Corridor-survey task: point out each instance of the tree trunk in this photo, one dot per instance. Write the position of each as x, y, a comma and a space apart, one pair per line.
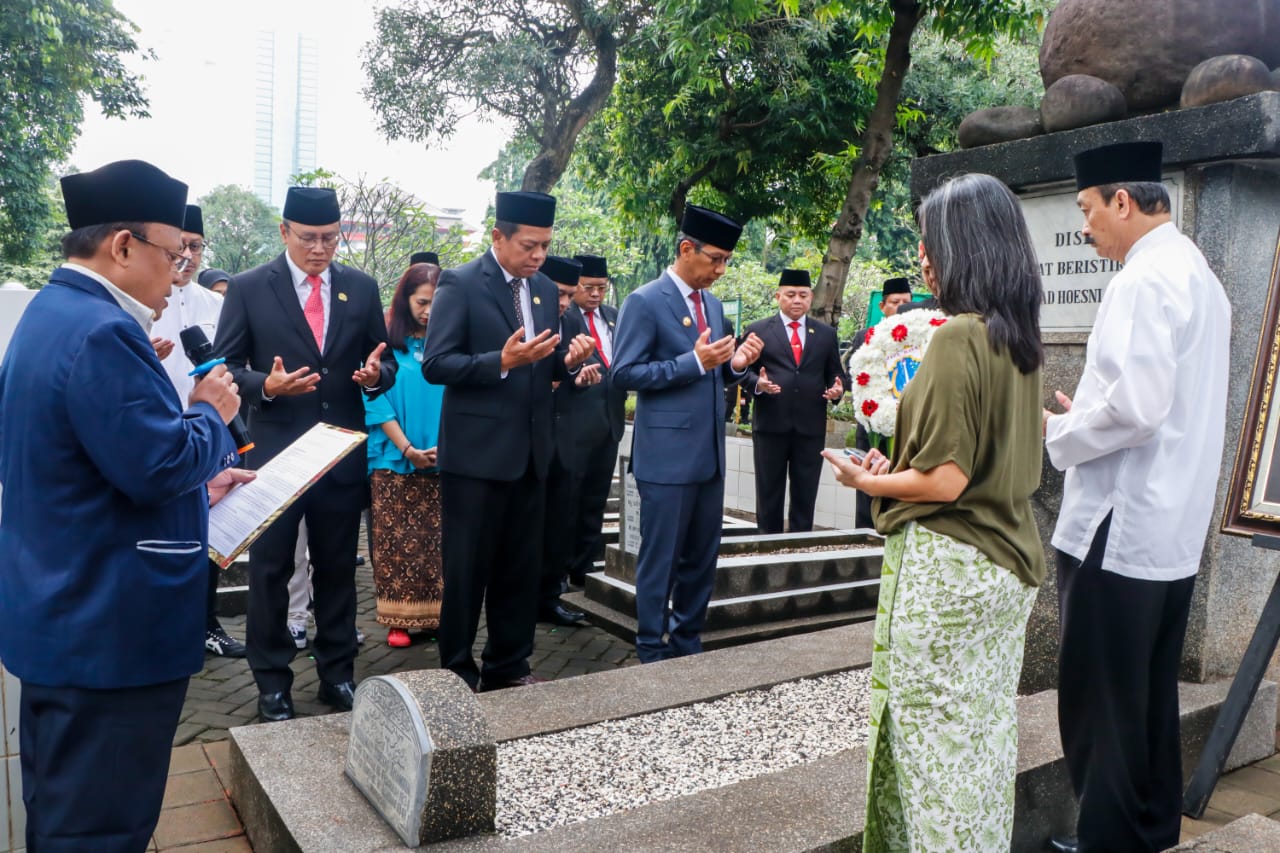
557, 142
877, 143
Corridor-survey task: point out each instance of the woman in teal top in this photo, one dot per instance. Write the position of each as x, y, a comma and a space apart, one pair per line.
404, 425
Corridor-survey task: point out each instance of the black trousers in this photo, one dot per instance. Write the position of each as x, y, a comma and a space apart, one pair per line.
561, 503
862, 502
492, 552
593, 497
1121, 647
780, 456
95, 763
332, 539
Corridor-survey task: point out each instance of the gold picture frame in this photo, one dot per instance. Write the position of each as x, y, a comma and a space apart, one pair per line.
1253, 501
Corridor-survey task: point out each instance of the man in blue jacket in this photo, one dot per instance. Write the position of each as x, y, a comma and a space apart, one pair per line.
103, 530
665, 351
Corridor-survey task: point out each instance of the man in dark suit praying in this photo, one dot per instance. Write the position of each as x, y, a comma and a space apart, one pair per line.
493, 344
305, 340
797, 375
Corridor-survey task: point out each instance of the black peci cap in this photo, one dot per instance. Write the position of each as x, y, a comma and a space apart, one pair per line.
1119, 163
897, 285
526, 208
193, 222
561, 270
710, 227
312, 206
424, 258
124, 191
794, 278
593, 266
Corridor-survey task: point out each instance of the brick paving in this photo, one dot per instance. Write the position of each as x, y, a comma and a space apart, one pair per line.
223, 695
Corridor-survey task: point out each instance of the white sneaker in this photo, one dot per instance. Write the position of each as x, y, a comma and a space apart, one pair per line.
299, 634
359, 637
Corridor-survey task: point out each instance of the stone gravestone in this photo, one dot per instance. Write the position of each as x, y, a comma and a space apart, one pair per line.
629, 518
422, 753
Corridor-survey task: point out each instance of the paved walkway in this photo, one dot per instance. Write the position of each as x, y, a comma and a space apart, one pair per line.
198, 816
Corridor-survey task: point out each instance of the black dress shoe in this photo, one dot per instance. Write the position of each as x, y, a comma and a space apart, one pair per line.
561, 615
522, 681
274, 707
1064, 844
340, 696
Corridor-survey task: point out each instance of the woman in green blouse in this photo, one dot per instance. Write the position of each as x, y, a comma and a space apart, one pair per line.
962, 555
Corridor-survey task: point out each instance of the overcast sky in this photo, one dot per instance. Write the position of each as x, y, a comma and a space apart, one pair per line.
201, 93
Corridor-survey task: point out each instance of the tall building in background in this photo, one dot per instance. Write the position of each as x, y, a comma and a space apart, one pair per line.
286, 96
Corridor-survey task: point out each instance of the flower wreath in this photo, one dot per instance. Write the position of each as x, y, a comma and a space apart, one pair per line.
889, 357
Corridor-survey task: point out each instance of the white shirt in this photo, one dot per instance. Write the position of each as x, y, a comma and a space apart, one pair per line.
786, 324
526, 298
303, 288
1144, 436
602, 330
192, 305
135, 309
686, 291
526, 302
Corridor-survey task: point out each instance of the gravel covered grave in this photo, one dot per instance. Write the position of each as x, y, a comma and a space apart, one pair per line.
589, 772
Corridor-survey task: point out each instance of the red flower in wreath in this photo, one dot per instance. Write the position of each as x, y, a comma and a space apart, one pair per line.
863, 378
869, 407
937, 321
899, 333
870, 333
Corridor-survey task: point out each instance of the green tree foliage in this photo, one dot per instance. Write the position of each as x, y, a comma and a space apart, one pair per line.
54, 53
742, 135
546, 67
242, 230
383, 225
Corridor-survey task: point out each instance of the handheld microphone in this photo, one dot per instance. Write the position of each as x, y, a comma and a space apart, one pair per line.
195, 343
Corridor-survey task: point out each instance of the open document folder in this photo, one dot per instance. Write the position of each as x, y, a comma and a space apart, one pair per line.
250, 508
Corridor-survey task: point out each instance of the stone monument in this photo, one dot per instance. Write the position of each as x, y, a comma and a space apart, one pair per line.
1222, 166
422, 753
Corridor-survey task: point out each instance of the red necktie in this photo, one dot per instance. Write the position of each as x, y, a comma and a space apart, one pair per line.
314, 310
696, 296
591, 324
797, 349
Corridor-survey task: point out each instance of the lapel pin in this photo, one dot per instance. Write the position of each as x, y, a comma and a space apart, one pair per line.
687, 322
342, 297
811, 331
537, 301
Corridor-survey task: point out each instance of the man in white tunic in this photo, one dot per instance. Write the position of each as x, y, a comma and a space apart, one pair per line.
1141, 446
189, 304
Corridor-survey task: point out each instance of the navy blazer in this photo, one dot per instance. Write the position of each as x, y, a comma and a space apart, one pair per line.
800, 406
678, 435
261, 319
104, 526
491, 427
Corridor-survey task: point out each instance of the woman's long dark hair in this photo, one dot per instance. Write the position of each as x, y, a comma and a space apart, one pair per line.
402, 324
978, 244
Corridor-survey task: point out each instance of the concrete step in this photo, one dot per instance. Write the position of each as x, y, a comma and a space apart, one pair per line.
1252, 833
767, 573
735, 542
622, 624
735, 611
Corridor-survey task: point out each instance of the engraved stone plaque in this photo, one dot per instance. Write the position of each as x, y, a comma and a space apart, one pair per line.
422, 754
389, 755
629, 529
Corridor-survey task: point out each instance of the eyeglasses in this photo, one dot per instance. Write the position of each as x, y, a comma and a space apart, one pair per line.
310, 240
716, 260
595, 288
180, 263
197, 247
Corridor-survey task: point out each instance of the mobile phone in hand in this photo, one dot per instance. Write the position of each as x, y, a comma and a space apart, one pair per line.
855, 454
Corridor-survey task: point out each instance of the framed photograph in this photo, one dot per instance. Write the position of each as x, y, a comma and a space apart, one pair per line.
1253, 503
